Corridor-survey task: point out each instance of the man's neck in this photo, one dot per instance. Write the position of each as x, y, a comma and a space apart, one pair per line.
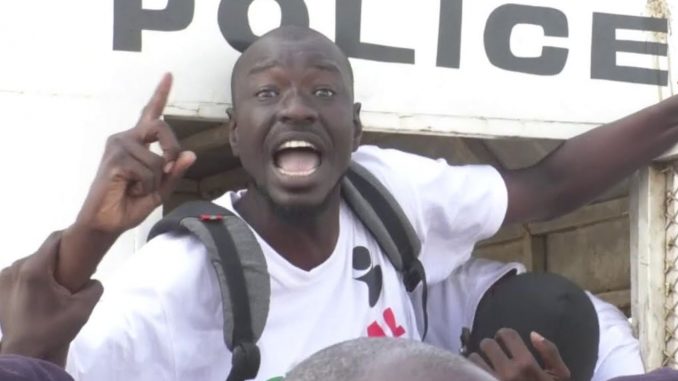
305, 241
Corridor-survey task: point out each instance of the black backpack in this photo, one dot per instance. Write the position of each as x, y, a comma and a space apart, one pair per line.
241, 268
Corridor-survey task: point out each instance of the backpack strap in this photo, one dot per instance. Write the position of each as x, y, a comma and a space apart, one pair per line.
384, 218
241, 272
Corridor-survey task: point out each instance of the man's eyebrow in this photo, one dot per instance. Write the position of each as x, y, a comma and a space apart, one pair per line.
327, 66
269, 64
263, 66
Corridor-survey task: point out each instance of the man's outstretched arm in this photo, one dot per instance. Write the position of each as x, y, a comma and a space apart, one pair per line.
586, 165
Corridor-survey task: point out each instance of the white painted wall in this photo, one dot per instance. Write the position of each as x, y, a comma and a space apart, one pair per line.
63, 89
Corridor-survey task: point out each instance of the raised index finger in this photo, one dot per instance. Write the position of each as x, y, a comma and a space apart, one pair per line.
156, 104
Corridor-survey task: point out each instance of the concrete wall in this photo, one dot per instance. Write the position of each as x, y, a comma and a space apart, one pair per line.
590, 247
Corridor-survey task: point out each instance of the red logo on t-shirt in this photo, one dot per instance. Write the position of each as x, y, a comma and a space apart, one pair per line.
375, 330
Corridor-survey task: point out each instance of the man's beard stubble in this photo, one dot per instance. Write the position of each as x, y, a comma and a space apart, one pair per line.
297, 215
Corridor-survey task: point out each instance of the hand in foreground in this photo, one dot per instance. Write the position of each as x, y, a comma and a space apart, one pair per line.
131, 182
509, 359
39, 317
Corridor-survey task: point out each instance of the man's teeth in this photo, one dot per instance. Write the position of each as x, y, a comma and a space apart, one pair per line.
297, 174
293, 159
296, 144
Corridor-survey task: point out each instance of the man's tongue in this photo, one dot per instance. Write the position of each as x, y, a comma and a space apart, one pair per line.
297, 162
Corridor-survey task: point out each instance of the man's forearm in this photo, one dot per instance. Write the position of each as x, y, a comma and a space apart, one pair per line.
80, 252
588, 164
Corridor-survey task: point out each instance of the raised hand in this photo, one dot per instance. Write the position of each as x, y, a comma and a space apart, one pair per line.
508, 358
130, 183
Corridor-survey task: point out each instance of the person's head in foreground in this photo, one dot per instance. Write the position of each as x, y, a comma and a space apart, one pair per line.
386, 359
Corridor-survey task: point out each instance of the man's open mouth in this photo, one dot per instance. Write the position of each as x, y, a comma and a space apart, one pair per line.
296, 158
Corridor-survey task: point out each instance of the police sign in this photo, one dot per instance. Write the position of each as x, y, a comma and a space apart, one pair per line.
534, 68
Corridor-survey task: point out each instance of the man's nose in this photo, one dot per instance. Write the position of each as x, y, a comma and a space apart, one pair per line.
295, 109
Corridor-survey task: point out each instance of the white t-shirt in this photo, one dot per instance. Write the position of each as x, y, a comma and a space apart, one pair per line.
162, 319
454, 303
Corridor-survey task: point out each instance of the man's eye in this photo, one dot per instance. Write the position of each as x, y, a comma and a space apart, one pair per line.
266, 94
324, 93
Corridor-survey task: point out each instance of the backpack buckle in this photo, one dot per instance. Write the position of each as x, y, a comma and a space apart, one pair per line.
245, 362
413, 275
211, 217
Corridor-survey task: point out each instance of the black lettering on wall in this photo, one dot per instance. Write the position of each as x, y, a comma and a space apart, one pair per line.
235, 25
449, 34
498, 30
605, 46
130, 19
348, 18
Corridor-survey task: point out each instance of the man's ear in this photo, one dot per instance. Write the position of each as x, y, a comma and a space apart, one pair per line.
357, 126
232, 131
